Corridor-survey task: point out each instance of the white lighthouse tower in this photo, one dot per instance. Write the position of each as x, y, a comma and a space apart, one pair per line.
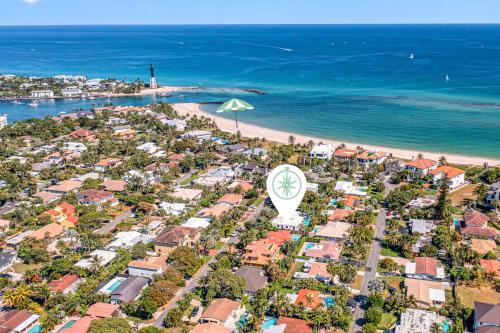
152, 80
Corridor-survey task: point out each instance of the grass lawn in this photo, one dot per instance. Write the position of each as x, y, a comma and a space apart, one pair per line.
297, 266
285, 291
387, 322
465, 193
483, 294
23, 268
189, 180
357, 284
258, 201
219, 245
385, 251
394, 281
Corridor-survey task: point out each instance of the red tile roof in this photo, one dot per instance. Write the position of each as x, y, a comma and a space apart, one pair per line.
102, 310
62, 283
309, 298
449, 171
279, 237
426, 265
475, 219
294, 325
220, 309
343, 152
422, 163
491, 266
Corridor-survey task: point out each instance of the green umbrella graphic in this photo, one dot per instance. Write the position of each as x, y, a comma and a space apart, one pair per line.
235, 105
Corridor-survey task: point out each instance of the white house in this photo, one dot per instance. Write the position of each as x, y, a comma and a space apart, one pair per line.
199, 135
174, 209
179, 124
128, 239
197, 222
421, 166
493, 193
103, 256
42, 94
71, 92
148, 147
3, 121
456, 176
77, 147
324, 152
348, 188
288, 223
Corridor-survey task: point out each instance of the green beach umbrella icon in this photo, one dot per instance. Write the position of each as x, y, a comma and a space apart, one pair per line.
235, 105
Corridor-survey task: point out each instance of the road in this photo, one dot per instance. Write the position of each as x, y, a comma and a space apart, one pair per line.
371, 265
109, 227
203, 271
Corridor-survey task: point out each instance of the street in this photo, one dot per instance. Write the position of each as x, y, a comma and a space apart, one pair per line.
109, 227
371, 265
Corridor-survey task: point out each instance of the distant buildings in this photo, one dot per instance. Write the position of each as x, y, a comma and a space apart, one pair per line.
3, 121
42, 94
324, 152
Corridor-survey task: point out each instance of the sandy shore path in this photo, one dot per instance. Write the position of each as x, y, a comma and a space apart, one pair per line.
250, 130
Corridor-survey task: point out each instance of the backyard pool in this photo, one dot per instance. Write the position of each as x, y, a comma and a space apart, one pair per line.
295, 237
307, 221
333, 202
67, 325
35, 329
270, 321
115, 283
328, 301
309, 246
446, 326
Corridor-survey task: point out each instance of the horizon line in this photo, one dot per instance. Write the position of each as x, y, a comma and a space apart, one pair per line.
245, 24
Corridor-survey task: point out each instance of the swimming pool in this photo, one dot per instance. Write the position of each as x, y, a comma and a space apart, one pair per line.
333, 202
35, 329
115, 284
295, 237
309, 246
268, 322
307, 221
445, 325
328, 301
456, 223
67, 325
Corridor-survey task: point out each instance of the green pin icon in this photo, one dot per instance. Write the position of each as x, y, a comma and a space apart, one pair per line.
286, 185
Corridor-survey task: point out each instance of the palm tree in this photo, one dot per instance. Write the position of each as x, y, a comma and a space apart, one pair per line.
436, 328
291, 140
481, 191
420, 156
442, 160
17, 297
376, 286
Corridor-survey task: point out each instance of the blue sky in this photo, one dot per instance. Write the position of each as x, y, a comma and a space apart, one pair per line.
43, 12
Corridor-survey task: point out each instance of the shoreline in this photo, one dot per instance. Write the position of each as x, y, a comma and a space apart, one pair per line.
252, 131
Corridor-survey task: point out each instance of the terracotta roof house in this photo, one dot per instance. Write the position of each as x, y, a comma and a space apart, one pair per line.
103, 310
47, 197
476, 225
491, 266
17, 321
244, 186
344, 153
80, 326
215, 210
310, 299
334, 230
49, 231
427, 293
83, 134
473, 218
255, 278
486, 318
107, 164
210, 328
173, 236
95, 197
260, 253
483, 246
340, 214
187, 194
65, 285
65, 186
293, 325
231, 199
148, 267
369, 158
278, 237
421, 167
324, 251
456, 176
352, 201
114, 185
424, 268
222, 311
64, 214
319, 271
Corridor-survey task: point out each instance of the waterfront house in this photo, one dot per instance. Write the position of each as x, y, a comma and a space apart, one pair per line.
18, 321
493, 194
368, 158
344, 154
71, 92
420, 167
324, 152
173, 236
455, 176
424, 268
223, 312
486, 317
42, 94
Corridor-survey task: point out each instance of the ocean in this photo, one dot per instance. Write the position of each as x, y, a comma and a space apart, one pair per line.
356, 83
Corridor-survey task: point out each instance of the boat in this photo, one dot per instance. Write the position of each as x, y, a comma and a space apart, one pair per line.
17, 102
447, 78
33, 104
412, 56
165, 95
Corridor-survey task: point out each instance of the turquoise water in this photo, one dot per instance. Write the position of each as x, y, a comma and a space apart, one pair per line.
307, 221
67, 325
115, 285
446, 326
268, 322
35, 329
309, 246
352, 83
333, 202
295, 237
328, 302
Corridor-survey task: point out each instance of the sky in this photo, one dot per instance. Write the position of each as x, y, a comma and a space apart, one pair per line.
66, 12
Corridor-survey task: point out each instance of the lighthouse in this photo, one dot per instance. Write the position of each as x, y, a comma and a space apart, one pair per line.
152, 80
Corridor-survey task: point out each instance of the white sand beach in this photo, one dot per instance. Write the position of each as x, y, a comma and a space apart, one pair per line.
250, 130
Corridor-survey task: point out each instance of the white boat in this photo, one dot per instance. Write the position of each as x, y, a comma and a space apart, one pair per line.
33, 104
17, 102
412, 56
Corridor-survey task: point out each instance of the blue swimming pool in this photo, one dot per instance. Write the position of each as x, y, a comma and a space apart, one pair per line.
295, 237
307, 221
67, 325
446, 326
35, 329
115, 284
309, 246
268, 322
456, 223
333, 202
328, 301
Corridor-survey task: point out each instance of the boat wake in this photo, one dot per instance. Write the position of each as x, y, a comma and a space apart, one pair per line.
268, 46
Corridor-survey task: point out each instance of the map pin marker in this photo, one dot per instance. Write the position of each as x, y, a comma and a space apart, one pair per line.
286, 186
